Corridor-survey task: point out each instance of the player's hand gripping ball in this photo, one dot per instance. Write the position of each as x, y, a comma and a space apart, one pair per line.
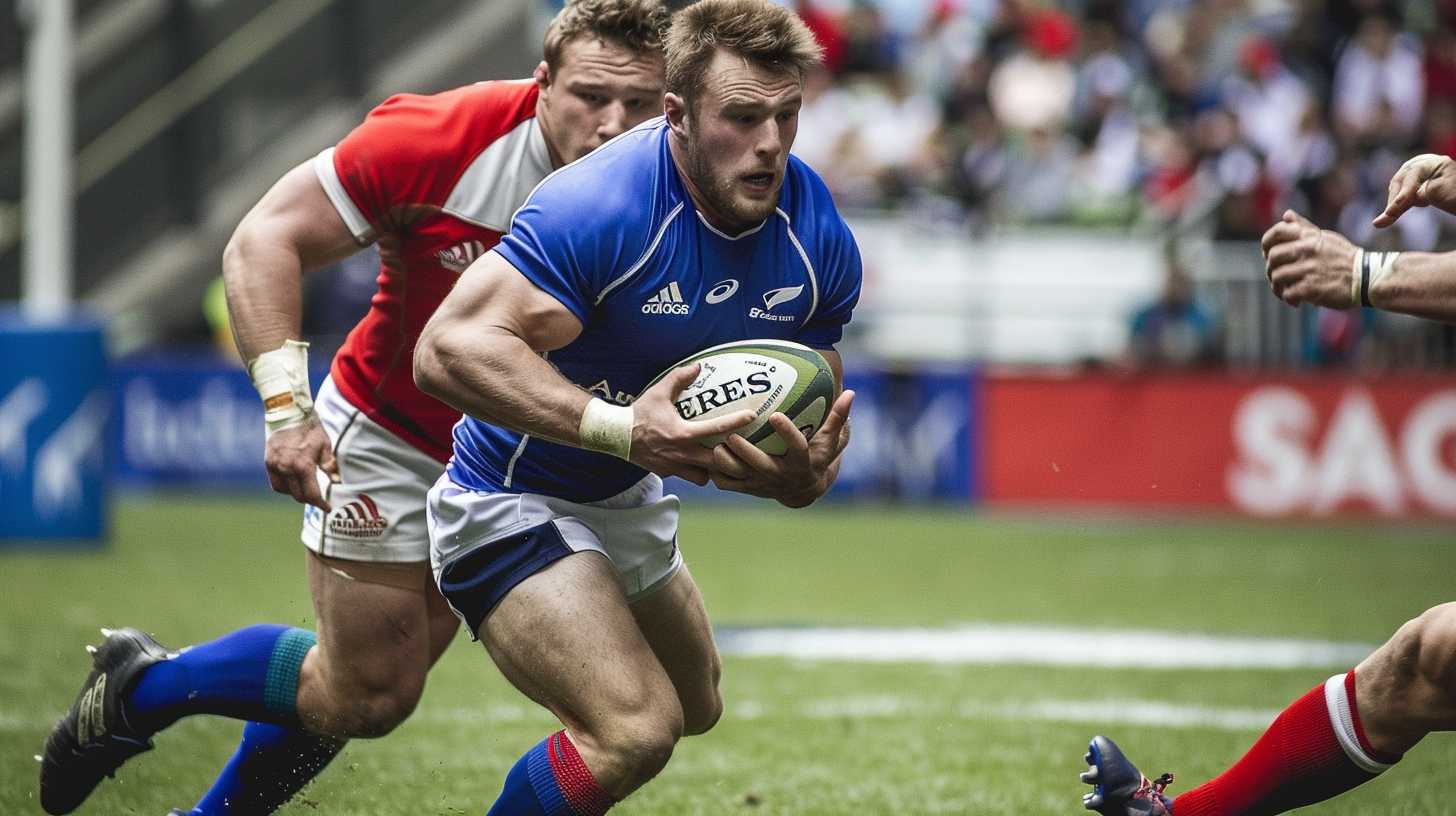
764, 376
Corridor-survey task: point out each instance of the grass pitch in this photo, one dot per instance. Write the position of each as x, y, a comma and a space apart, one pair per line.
798, 737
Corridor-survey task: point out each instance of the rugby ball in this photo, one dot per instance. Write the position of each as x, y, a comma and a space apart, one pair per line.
764, 376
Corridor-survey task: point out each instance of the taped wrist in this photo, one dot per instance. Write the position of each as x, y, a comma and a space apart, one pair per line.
607, 428
1370, 268
281, 377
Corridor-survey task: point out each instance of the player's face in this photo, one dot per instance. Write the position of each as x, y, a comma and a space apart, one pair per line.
737, 137
599, 90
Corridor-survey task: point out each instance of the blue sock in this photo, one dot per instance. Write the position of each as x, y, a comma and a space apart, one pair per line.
272, 763
250, 674
551, 780
520, 797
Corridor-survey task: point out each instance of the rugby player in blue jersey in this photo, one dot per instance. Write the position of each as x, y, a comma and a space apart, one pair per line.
551, 536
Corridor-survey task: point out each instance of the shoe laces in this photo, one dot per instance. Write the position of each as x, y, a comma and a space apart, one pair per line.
1160, 784
1151, 790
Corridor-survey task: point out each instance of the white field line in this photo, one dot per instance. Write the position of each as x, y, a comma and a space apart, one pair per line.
1040, 646
1093, 712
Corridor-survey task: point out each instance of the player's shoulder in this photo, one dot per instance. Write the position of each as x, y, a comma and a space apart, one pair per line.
460, 119
810, 206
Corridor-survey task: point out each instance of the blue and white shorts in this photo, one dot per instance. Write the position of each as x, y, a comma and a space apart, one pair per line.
483, 544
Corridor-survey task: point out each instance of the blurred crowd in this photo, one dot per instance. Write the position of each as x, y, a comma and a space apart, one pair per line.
1192, 118
1211, 115
1188, 118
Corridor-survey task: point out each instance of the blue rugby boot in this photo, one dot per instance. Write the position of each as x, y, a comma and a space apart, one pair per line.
95, 738
1118, 787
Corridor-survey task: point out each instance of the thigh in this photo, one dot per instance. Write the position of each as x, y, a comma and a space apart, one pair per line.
380, 626
675, 624
566, 638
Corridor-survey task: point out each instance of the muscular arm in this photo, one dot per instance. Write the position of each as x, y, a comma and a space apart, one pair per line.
293, 229
481, 353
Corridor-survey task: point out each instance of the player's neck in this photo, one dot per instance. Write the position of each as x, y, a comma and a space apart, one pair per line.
547, 132
716, 219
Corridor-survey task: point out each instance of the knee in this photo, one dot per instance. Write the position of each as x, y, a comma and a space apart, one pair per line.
703, 712
374, 711
639, 747
1429, 647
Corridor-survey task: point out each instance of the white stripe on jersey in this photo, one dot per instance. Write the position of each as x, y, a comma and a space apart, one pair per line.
804, 256
641, 262
328, 176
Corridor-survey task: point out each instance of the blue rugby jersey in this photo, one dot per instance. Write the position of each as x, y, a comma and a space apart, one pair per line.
616, 238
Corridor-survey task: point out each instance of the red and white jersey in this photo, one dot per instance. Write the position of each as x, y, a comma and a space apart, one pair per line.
435, 180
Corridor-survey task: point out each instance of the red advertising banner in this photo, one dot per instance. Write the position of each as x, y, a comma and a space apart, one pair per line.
1269, 447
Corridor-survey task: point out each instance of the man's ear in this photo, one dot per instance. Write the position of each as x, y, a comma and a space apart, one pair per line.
542, 75
676, 111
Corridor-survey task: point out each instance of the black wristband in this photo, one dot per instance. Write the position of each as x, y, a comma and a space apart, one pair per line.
1365, 279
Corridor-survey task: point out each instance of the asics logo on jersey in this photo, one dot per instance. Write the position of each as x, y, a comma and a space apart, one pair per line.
721, 291
457, 257
774, 297
668, 301
358, 519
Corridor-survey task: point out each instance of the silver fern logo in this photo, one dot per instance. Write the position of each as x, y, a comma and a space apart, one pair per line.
774, 297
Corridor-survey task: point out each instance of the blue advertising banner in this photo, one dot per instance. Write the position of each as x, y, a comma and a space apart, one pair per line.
189, 421
913, 439
912, 436
55, 399
196, 422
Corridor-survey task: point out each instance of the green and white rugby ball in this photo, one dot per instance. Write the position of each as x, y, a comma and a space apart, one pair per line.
764, 376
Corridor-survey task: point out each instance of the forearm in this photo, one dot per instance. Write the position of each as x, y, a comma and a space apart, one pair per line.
1422, 284
494, 375
264, 283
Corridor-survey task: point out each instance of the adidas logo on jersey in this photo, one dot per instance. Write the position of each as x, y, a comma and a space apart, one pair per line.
669, 301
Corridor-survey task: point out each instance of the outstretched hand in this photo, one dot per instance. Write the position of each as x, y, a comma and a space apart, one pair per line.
1427, 180
802, 474
668, 445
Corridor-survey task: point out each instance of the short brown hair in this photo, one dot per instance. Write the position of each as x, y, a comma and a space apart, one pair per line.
640, 25
754, 29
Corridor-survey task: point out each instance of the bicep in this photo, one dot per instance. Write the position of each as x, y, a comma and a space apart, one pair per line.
494, 297
296, 213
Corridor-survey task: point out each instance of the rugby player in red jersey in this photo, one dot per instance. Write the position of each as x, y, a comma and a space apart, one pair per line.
1354, 726
434, 181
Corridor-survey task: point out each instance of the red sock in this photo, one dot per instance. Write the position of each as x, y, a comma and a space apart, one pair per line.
1315, 749
578, 786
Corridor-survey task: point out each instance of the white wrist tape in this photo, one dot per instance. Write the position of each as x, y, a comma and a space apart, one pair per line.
1369, 268
1381, 264
281, 377
607, 428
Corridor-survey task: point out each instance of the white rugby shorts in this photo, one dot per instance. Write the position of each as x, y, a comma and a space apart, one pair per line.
379, 503
483, 544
